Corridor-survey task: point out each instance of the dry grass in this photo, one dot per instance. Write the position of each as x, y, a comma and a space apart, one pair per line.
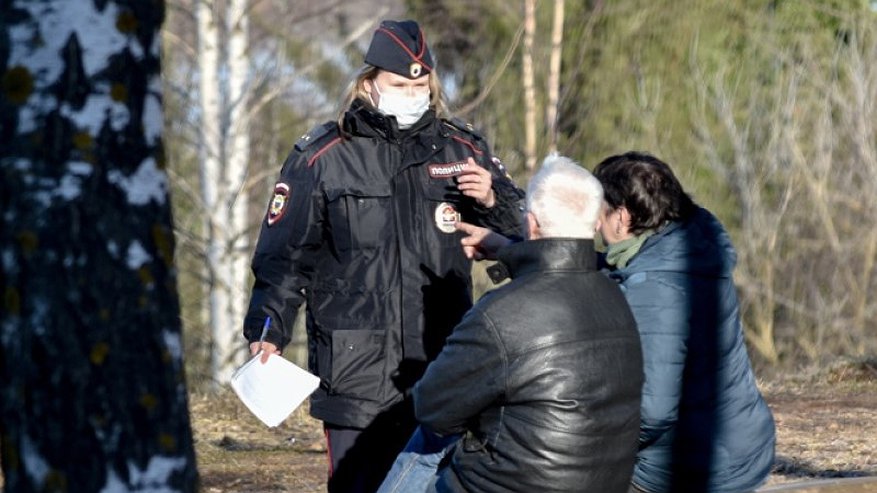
237, 453
826, 422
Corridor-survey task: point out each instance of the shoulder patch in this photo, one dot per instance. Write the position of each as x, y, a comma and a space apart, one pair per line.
463, 126
315, 134
278, 203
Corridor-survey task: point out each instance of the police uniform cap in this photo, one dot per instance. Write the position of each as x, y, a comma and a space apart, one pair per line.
400, 47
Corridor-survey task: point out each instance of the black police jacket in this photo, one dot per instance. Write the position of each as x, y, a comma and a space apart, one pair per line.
360, 227
543, 377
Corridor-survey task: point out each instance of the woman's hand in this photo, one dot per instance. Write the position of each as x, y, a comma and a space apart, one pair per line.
267, 349
477, 183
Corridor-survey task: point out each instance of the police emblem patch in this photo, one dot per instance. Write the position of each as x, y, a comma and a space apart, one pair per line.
278, 203
445, 217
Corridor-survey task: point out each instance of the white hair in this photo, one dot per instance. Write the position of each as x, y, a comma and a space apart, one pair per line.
565, 198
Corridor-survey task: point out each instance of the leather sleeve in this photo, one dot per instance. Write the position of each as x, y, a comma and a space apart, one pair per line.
469, 373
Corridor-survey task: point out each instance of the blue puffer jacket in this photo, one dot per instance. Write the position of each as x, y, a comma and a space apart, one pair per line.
705, 426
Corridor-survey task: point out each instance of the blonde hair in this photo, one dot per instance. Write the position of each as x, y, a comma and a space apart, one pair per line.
357, 89
565, 198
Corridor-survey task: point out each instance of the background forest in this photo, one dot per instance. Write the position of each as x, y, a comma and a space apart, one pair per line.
765, 109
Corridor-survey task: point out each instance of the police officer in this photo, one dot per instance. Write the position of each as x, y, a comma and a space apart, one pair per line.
361, 228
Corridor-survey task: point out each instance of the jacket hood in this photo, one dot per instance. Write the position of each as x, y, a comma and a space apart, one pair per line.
698, 246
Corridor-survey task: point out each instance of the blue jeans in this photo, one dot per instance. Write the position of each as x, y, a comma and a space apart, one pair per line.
415, 468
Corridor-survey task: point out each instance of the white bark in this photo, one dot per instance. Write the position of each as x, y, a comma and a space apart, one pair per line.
529, 86
224, 155
235, 261
554, 75
213, 188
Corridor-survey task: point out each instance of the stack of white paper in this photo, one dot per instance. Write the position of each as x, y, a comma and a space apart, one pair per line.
274, 389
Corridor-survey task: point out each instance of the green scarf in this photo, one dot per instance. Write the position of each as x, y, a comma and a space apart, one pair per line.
619, 254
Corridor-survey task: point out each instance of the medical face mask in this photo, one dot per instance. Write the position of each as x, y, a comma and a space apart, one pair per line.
406, 109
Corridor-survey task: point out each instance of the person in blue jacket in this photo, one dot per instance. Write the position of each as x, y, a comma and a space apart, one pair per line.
705, 427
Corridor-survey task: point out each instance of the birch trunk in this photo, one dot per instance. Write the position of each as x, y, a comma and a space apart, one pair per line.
529, 86
224, 152
210, 155
554, 75
93, 396
237, 139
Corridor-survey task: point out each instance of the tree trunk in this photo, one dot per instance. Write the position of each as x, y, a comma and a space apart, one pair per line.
554, 76
93, 395
209, 151
529, 86
224, 148
235, 261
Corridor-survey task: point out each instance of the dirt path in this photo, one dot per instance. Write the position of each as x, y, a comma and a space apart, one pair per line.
827, 427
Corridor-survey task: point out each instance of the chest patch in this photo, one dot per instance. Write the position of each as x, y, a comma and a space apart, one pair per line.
446, 170
445, 217
278, 203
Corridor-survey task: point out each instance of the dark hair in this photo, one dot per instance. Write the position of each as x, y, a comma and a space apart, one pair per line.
646, 187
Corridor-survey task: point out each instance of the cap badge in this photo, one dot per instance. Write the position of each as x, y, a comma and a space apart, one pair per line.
415, 69
445, 217
278, 203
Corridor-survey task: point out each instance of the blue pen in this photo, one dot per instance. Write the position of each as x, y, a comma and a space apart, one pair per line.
265, 330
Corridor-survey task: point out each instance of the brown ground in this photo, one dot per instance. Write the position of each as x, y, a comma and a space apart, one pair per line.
826, 423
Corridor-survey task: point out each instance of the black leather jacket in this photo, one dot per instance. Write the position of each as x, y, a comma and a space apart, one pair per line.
361, 228
542, 377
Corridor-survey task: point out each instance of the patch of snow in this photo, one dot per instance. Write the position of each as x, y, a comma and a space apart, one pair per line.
36, 467
137, 256
71, 183
98, 38
147, 183
113, 249
173, 343
153, 121
153, 479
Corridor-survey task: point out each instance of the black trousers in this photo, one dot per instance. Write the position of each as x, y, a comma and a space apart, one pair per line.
359, 459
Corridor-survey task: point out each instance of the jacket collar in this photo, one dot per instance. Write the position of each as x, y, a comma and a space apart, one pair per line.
363, 120
697, 246
544, 255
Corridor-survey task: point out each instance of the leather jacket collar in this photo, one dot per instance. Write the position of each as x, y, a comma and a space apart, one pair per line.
546, 254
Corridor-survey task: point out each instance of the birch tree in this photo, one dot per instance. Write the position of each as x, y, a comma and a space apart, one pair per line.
224, 148
528, 81
93, 396
554, 75
262, 78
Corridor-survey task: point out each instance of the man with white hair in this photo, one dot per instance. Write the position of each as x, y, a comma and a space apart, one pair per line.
542, 376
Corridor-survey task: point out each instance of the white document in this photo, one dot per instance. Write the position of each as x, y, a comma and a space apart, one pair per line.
273, 390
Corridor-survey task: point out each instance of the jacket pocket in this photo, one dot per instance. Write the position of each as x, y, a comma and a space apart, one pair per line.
357, 363
359, 217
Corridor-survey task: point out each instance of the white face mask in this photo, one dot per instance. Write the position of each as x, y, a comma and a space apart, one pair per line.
406, 109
